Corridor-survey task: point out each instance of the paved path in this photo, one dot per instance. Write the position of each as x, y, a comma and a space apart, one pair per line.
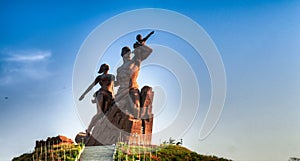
97, 153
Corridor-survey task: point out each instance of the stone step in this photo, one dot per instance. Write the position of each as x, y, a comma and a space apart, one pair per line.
98, 153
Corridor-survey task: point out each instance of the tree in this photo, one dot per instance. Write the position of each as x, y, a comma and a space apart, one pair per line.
171, 141
294, 159
165, 142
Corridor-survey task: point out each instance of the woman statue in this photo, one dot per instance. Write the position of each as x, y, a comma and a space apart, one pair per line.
104, 97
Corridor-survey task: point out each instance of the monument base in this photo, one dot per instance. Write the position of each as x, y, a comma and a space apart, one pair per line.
117, 126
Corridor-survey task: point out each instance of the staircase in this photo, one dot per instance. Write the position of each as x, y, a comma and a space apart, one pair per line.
97, 153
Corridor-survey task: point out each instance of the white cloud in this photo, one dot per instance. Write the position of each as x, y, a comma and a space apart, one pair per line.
28, 55
24, 65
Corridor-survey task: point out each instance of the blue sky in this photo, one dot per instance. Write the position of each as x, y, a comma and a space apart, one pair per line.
257, 40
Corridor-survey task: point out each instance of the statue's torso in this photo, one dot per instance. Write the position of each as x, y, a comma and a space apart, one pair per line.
127, 74
106, 82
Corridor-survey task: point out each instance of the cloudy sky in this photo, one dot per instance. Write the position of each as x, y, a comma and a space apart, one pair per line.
257, 40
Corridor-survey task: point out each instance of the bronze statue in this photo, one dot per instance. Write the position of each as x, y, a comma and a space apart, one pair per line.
104, 96
131, 110
128, 95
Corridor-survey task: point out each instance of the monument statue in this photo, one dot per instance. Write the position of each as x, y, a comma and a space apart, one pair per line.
104, 97
131, 110
128, 94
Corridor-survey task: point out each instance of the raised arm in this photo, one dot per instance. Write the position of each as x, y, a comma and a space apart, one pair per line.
142, 52
89, 88
145, 39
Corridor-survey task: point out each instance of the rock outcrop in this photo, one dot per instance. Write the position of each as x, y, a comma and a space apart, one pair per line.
53, 141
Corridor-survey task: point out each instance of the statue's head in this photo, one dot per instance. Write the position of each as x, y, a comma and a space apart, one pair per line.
125, 50
139, 37
103, 68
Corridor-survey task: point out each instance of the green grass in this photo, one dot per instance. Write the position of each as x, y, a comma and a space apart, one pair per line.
168, 152
68, 152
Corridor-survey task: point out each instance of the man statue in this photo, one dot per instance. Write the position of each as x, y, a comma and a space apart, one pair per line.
128, 96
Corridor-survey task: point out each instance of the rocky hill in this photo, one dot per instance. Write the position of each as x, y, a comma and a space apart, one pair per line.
53, 148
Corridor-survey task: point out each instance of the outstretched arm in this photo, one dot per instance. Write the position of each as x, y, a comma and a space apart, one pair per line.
88, 89
145, 39
142, 41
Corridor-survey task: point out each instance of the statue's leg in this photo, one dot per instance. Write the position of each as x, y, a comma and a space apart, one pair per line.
143, 112
99, 114
107, 101
146, 102
100, 102
93, 122
135, 97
